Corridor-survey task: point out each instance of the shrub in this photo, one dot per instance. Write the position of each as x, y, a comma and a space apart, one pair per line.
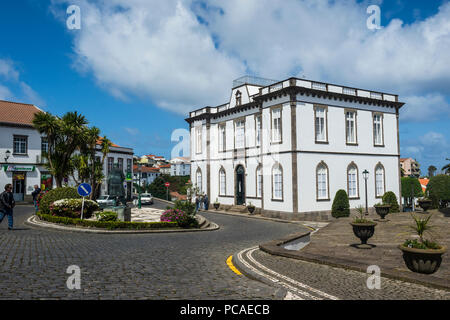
341, 205
55, 195
390, 198
71, 208
107, 216
180, 217
185, 206
438, 190
411, 185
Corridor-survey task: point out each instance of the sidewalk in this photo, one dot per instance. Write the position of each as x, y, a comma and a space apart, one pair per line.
331, 246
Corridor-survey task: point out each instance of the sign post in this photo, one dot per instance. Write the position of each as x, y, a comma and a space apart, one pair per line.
167, 184
84, 190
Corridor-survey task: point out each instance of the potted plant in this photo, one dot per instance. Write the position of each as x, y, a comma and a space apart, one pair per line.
425, 204
422, 256
251, 208
382, 210
216, 204
363, 228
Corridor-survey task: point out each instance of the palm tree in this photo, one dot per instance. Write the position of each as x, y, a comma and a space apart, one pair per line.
431, 170
105, 145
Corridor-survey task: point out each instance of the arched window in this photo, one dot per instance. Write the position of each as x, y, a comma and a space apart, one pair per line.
222, 182
199, 180
379, 180
322, 181
352, 181
277, 182
259, 182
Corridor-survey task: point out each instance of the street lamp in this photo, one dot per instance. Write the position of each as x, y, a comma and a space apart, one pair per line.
366, 176
7, 153
139, 189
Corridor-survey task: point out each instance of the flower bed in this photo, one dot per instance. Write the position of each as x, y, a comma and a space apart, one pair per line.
71, 208
183, 219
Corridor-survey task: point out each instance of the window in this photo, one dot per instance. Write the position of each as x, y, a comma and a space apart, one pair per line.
350, 126
320, 124
379, 180
276, 125
322, 181
277, 180
44, 145
222, 182
352, 181
259, 182
199, 180
20, 145
258, 129
238, 98
199, 139
222, 138
377, 129
110, 164
239, 134
128, 165
120, 161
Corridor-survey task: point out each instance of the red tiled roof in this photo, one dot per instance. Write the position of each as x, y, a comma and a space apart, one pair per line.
100, 139
165, 166
145, 169
424, 183
17, 113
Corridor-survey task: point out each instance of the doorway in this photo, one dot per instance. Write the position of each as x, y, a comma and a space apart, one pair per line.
18, 182
240, 185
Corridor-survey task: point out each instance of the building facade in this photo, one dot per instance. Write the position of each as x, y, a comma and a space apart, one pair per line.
180, 166
287, 147
410, 167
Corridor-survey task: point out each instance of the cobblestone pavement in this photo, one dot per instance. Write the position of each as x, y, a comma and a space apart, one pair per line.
146, 214
345, 284
33, 262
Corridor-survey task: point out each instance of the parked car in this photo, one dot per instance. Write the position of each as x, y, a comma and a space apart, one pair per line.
146, 198
106, 200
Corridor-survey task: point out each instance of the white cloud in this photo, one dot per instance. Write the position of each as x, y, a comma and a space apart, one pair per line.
425, 108
160, 50
5, 93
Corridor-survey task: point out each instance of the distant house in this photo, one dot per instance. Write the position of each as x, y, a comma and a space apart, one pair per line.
147, 175
180, 166
410, 167
164, 169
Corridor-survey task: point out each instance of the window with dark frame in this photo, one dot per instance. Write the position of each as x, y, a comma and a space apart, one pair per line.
20, 145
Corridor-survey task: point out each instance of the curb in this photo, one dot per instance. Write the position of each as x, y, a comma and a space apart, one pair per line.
34, 221
273, 248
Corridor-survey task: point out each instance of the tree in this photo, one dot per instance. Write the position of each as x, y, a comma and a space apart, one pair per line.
431, 171
341, 205
64, 136
411, 188
157, 188
438, 190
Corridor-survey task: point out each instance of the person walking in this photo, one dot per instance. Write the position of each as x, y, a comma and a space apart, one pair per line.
206, 202
35, 195
197, 203
7, 204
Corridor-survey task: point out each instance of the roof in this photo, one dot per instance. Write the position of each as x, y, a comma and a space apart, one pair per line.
165, 166
424, 183
145, 169
17, 113
100, 140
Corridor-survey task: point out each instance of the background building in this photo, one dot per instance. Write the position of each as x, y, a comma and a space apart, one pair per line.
410, 167
180, 166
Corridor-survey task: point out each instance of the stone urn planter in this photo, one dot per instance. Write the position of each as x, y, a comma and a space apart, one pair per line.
425, 204
363, 230
216, 205
382, 210
425, 261
251, 209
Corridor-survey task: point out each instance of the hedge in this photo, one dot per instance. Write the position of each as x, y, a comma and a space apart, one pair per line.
111, 225
57, 194
438, 190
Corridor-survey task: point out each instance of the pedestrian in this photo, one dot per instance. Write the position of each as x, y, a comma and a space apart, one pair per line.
35, 195
206, 202
201, 202
7, 204
197, 203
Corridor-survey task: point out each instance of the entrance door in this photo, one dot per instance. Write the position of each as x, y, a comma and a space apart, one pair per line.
19, 186
240, 185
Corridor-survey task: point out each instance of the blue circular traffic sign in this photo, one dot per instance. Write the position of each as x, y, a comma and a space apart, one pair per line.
84, 189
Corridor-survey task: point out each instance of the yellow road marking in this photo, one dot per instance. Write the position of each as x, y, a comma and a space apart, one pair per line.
232, 267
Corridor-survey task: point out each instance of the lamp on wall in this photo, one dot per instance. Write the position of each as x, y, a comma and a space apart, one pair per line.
366, 176
7, 154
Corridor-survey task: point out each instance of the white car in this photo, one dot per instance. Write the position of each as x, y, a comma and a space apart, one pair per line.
106, 200
146, 198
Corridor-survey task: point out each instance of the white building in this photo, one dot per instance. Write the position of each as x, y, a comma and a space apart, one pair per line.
288, 147
146, 175
180, 166
21, 149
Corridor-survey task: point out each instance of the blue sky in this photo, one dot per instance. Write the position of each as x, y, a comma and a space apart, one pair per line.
137, 67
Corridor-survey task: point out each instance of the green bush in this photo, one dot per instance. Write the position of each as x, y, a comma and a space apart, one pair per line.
182, 218
411, 185
111, 225
55, 195
438, 190
107, 216
185, 206
341, 205
390, 198
71, 208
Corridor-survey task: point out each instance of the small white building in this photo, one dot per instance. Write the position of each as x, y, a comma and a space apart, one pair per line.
180, 166
145, 174
21, 148
288, 147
